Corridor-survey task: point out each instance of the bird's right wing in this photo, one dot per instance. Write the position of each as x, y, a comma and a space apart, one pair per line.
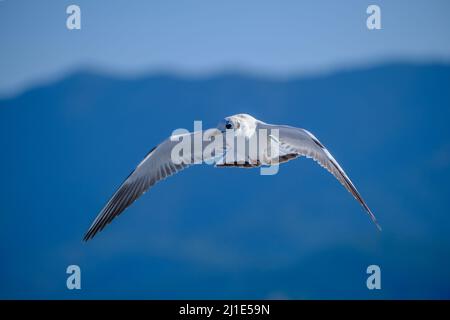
156, 166
295, 141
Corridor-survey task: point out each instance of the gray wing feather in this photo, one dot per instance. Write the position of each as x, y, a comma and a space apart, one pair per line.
156, 166
304, 143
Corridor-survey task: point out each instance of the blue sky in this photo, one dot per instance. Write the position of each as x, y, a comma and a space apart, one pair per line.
201, 36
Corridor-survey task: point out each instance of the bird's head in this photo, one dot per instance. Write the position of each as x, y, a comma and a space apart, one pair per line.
242, 124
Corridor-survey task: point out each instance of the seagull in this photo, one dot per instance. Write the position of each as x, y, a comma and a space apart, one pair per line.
159, 164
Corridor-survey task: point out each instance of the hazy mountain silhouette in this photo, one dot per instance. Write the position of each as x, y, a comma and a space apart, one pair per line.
229, 233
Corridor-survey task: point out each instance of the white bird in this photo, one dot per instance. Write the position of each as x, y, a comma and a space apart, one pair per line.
158, 164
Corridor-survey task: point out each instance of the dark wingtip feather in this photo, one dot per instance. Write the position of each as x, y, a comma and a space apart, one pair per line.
86, 238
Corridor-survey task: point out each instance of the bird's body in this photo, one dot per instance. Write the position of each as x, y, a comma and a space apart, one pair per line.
160, 162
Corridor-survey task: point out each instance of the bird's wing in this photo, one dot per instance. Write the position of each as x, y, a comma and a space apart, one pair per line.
156, 166
302, 142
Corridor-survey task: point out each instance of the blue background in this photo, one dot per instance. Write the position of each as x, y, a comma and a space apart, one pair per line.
68, 142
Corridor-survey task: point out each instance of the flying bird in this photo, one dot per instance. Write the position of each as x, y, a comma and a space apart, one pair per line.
159, 163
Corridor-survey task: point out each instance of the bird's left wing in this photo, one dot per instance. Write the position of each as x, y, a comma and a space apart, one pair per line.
295, 141
156, 166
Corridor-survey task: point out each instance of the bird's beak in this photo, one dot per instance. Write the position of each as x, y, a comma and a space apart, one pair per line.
221, 127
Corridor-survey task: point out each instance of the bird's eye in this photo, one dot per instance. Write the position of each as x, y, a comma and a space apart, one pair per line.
229, 125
